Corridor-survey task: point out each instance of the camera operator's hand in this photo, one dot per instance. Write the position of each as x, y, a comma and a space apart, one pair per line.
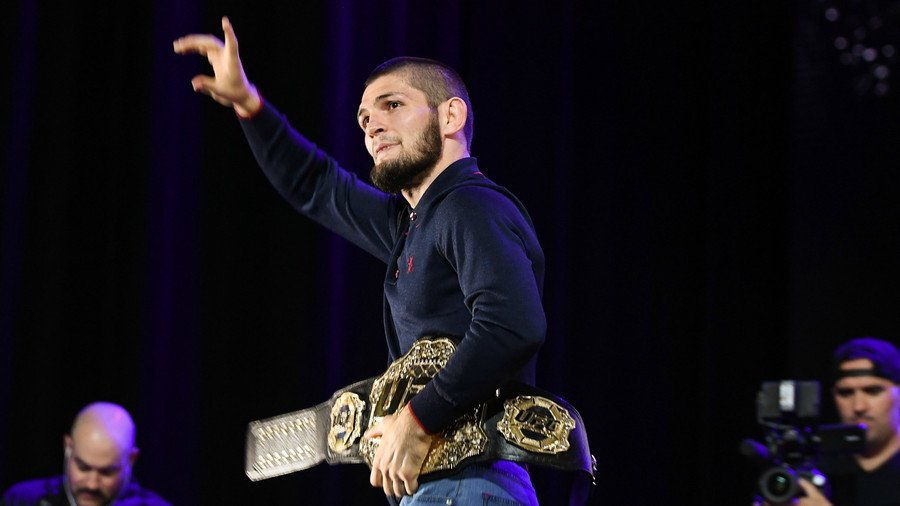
813, 497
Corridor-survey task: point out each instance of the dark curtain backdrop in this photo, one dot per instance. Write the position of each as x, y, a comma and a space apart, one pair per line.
714, 184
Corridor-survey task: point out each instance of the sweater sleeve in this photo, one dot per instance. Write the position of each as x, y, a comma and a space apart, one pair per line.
492, 246
40, 491
316, 186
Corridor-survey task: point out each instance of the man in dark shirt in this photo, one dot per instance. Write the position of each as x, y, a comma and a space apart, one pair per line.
99, 457
463, 260
866, 391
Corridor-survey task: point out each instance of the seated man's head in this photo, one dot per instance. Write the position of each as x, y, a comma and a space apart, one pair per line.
100, 453
867, 374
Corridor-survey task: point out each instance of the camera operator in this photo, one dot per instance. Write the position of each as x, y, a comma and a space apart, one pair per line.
866, 391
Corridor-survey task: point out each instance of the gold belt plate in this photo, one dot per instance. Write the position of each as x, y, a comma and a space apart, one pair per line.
346, 422
536, 424
406, 377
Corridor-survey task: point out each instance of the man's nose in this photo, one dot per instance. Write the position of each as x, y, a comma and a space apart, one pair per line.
374, 126
860, 403
372, 130
92, 481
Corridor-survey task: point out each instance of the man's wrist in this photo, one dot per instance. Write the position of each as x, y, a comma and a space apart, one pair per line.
412, 414
249, 107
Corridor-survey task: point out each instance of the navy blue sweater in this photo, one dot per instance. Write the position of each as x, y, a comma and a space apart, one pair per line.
52, 492
465, 263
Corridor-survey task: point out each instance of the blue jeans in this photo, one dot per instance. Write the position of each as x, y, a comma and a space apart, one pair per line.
502, 483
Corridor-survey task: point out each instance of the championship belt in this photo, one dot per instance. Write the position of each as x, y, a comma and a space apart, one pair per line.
522, 424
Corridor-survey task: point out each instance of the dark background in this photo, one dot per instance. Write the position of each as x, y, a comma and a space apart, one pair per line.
714, 184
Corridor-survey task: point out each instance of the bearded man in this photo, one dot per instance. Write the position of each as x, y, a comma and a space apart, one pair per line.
99, 456
462, 256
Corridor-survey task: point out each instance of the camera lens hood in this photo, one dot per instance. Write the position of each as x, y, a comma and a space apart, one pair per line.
779, 484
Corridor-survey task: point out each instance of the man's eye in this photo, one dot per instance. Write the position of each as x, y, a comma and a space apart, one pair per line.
364, 122
844, 392
873, 390
394, 104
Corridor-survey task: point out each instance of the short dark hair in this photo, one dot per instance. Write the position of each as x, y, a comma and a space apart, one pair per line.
884, 356
437, 80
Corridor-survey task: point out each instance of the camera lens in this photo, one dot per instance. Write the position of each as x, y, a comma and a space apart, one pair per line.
779, 484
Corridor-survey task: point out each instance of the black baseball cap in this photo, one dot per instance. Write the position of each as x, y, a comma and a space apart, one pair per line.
884, 356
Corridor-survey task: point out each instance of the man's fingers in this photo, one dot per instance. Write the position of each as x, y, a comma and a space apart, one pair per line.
393, 482
231, 43
387, 486
408, 476
813, 494
375, 431
200, 44
398, 488
204, 84
397, 461
411, 486
383, 476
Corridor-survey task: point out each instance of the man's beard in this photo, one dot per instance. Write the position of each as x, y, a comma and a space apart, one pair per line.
409, 169
95, 495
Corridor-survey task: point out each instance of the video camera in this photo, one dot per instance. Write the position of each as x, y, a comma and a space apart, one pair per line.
794, 442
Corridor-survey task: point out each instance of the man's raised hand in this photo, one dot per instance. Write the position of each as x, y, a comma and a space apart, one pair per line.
228, 85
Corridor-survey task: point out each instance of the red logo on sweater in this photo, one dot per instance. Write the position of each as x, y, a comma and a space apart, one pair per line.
409, 264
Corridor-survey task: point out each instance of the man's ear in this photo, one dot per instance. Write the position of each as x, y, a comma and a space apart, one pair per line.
67, 445
133, 455
455, 114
